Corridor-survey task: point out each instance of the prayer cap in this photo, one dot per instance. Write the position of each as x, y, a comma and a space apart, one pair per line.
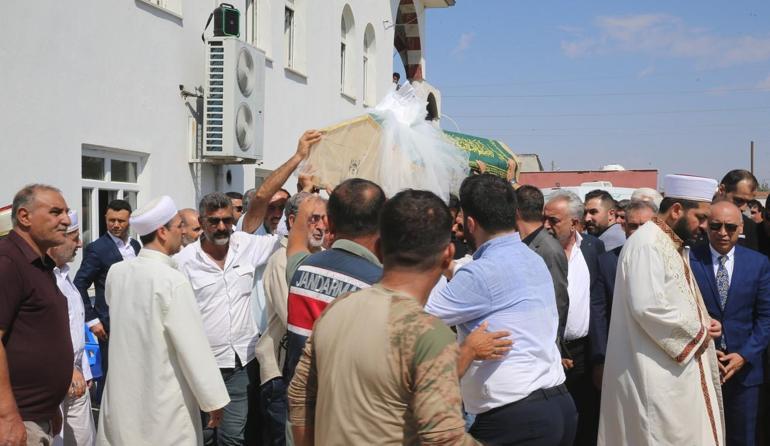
74, 222
153, 215
689, 187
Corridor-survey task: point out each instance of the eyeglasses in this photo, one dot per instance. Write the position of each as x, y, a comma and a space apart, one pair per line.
238, 208
729, 227
214, 221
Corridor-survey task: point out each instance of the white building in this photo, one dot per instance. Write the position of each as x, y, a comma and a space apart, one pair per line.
91, 89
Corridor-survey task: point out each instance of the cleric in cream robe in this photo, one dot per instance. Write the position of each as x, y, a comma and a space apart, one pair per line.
163, 374
661, 383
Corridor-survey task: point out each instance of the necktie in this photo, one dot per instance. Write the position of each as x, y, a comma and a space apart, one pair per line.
723, 286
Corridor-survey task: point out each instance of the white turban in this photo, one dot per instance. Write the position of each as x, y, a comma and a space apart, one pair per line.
74, 222
688, 187
153, 215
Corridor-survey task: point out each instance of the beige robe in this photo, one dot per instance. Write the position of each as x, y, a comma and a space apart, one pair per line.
655, 390
161, 369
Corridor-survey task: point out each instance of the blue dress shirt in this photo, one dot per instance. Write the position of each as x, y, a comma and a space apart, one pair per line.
509, 286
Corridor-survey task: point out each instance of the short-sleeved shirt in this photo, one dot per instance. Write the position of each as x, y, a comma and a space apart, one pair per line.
398, 367
317, 279
225, 295
35, 320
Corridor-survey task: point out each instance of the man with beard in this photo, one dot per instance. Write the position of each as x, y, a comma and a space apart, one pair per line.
191, 227
221, 266
236, 198
739, 186
600, 219
637, 213
272, 392
661, 379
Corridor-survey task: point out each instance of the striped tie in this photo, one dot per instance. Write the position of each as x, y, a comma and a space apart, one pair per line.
723, 286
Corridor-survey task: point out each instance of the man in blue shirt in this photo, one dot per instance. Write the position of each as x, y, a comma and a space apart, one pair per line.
521, 396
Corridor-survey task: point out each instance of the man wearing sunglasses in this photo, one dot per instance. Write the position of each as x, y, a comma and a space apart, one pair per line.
735, 284
739, 186
221, 267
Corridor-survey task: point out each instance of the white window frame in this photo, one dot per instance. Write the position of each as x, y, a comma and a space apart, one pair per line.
173, 7
258, 25
289, 37
369, 92
107, 184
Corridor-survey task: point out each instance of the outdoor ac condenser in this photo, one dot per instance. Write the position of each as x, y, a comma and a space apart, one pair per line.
235, 98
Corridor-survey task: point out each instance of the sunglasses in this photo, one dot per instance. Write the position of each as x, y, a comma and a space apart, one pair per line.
238, 208
729, 227
214, 221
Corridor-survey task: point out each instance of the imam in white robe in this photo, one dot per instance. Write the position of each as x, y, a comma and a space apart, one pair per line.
656, 390
161, 369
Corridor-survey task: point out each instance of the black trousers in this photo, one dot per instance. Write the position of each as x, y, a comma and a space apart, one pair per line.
581, 387
546, 417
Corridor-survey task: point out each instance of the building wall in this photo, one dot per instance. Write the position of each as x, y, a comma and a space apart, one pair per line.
106, 74
624, 178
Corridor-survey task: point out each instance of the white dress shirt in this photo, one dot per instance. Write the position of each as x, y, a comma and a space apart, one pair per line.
76, 316
729, 264
579, 290
125, 248
225, 296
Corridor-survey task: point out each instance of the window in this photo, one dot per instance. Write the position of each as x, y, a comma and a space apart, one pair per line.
171, 6
258, 24
288, 35
347, 37
106, 176
369, 72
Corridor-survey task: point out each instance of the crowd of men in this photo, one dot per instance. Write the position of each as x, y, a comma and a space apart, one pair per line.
502, 317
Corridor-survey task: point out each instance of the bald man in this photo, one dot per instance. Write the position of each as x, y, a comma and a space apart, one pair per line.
191, 227
735, 284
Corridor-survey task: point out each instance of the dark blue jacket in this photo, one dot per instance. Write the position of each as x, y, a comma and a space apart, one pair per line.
746, 317
601, 303
98, 257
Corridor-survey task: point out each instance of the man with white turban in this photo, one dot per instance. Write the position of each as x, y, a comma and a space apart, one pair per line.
78, 428
162, 374
661, 381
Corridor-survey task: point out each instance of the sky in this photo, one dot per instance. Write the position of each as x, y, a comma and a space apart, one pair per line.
682, 87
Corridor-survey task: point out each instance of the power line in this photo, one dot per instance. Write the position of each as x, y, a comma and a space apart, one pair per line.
639, 93
658, 112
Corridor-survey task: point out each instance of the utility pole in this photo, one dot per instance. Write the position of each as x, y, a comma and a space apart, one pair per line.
752, 157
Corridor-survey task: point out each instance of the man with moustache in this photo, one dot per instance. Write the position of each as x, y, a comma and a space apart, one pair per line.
600, 219
36, 353
236, 198
272, 391
661, 380
221, 267
637, 213
735, 283
191, 227
78, 429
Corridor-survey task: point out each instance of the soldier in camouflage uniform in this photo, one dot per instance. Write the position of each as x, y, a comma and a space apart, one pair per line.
378, 369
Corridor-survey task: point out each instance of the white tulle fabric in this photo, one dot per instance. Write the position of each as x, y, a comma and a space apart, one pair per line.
414, 153
410, 153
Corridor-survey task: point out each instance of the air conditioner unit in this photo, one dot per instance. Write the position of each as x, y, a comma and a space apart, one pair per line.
235, 98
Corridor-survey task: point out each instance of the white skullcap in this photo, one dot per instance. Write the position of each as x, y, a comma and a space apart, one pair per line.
153, 215
647, 194
74, 222
689, 187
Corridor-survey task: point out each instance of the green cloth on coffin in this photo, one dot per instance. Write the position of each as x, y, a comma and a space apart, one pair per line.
495, 154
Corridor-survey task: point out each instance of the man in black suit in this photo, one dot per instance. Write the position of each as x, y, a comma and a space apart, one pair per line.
739, 187
637, 213
112, 247
529, 220
563, 216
